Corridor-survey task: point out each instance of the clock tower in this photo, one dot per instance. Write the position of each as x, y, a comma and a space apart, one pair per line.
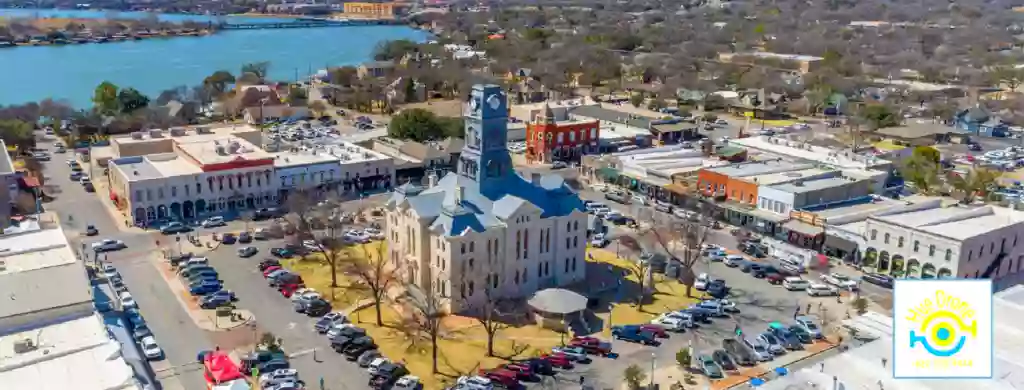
485, 157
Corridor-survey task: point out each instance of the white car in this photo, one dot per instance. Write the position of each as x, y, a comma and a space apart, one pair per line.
109, 271
701, 283
356, 237
839, 280
214, 222
473, 383
821, 290
374, 234
734, 260
795, 283
376, 363
150, 348
84, 179
279, 375
127, 301
306, 296
108, 245
672, 322
407, 382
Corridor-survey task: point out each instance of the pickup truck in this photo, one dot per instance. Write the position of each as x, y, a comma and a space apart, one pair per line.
634, 336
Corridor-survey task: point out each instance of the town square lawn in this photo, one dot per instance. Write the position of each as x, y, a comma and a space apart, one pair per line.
669, 295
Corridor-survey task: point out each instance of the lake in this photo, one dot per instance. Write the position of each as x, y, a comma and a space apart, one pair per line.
72, 72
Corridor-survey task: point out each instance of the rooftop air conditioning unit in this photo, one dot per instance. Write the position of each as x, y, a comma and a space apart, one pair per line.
156, 133
177, 132
25, 346
3, 265
137, 135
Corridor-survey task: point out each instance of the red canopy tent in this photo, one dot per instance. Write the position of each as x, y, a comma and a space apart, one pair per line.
218, 368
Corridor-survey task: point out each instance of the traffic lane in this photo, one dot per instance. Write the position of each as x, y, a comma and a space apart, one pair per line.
274, 313
71, 200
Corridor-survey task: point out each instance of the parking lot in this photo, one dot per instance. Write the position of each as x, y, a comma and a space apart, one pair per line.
326, 130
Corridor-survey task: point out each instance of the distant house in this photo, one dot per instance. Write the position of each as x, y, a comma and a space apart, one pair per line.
374, 69
979, 121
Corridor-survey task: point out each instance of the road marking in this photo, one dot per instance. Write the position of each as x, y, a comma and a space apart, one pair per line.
302, 352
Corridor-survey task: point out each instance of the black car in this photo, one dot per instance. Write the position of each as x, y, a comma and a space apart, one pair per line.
878, 280
357, 347
268, 213
718, 289
178, 259
317, 308
339, 343
386, 375
268, 263
539, 366
739, 352
699, 315
272, 365
723, 359
764, 270
801, 334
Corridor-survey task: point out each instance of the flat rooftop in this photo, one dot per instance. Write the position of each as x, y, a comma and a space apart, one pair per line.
878, 204
813, 185
189, 133
805, 151
219, 149
959, 222
862, 367
75, 354
756, 168
35, 250
782, 177
34, 290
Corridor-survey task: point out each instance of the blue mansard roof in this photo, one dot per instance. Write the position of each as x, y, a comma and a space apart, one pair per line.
478, 211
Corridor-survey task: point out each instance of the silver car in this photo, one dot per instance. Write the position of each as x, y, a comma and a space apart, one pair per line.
759, 349
773, 343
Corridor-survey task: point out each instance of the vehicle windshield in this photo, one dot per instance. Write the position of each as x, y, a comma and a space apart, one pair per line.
811, 326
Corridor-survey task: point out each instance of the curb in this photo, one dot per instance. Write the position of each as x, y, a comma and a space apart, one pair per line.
763, 376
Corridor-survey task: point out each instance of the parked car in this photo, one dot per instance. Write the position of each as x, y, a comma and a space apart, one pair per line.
801, 334
734, 261
740, 353
673, 321
712, 306
505, 378
795, 283
773, 343
759, 349
475, 382
656, 330
357, 347
228, 238
558, 360
204, 287
214, 222
710, 368
575, 354
634, 335
281, 252
127, 301
878, 279
591, 345
724, 360
313, 308
788, 340
367, 357
248, 251
245, 237
839, 280
267, 263
150, 348
810, 324
821, 290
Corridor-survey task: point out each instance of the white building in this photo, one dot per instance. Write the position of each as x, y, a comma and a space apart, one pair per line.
958, 241
50, 335
485, 230
852, 164
346, 167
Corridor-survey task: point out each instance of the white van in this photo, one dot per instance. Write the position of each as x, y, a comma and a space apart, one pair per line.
197, 261
734, 260
795, 283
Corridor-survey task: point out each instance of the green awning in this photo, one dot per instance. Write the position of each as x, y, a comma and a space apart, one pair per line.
608, 173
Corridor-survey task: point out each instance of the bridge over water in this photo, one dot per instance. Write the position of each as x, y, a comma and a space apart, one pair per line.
307, 23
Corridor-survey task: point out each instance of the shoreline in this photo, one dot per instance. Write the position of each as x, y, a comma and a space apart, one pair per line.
267, 16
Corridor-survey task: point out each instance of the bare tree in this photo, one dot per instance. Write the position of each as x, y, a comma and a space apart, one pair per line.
322, 224
428, 313
247, 217
372, 270
683, 240
637, 267
487, 311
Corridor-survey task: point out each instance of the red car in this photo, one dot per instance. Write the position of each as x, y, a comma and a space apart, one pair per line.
269, 270
592, 345
775, 278
289, 288
523, 371
503, 377
558, 360
656, 330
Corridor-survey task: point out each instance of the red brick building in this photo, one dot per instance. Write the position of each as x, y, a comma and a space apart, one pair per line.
550, 140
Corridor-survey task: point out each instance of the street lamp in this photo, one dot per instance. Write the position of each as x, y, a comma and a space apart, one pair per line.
653, 356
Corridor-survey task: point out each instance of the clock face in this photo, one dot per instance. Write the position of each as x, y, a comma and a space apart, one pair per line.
494, 101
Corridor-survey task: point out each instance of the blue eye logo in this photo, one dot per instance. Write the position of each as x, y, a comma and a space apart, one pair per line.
943, 333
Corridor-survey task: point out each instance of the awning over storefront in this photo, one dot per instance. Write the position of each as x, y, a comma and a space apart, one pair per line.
803, 228
840, 243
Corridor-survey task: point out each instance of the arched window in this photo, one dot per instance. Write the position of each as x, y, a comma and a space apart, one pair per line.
931, 250
472, 247
917, 245
949, 254
576, 225
568, 226
886, 239
899, 242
